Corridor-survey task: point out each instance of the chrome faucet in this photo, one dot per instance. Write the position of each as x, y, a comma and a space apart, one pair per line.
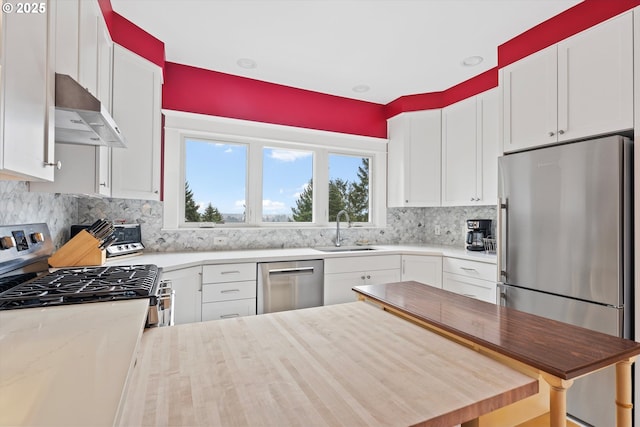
338, 225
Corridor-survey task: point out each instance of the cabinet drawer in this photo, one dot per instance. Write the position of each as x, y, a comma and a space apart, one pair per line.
228, 291
478, 270
361, 263
482, 290
229, 273
228, 309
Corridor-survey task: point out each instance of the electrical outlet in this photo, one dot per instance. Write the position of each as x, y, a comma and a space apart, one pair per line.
437, 230
220, 240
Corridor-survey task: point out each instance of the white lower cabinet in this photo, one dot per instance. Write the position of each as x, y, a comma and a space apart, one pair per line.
342, 274
187, 285
228, 290
425, 269
470, 278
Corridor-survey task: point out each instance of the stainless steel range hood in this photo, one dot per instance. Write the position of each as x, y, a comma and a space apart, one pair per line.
81, 118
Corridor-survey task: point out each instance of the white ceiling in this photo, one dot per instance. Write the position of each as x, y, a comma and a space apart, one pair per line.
396, 47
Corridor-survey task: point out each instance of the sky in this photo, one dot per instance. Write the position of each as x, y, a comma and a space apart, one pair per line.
216, 174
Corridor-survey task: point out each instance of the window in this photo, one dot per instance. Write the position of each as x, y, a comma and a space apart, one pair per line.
222, 172
287, 185
215, 182
349, 187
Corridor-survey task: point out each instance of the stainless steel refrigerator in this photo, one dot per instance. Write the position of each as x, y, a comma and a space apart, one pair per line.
565, 226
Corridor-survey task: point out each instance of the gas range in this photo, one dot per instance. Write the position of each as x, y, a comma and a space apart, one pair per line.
26, 282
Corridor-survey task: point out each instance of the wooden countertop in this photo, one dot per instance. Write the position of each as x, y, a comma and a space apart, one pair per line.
348, 364
560, 349
67, 365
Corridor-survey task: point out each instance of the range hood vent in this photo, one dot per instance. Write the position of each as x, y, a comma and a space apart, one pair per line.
81, 118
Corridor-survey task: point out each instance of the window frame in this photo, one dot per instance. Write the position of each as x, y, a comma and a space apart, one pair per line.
180, 126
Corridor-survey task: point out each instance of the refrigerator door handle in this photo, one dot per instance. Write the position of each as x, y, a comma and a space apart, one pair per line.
501, 296
502, 239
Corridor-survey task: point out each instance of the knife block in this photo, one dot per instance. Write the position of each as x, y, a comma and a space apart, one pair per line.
81, 250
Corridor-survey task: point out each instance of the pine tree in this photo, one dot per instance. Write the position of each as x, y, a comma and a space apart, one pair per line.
191, 213
338, 196
358, 198
303, 211
212, 214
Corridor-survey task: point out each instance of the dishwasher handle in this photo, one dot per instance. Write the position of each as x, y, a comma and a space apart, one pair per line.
294, 270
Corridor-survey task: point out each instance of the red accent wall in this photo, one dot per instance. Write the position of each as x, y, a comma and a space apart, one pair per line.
202, 91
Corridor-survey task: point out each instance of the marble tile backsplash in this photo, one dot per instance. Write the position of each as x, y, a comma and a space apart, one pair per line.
19, 206
404, 225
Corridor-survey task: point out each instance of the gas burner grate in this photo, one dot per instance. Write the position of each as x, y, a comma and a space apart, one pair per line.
86, 284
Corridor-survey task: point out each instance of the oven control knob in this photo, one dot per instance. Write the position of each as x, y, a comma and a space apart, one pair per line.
6, 242
37, 237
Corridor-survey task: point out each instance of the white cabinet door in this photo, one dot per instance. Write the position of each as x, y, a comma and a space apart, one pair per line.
137, 85
337, 287
489, 108
89, 16
26, 98
382, 276
595, 80
460, 153
422, 268
67, 26
187, 285
414, 159
530, 107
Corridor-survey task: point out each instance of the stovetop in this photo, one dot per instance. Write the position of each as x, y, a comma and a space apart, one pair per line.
80, 285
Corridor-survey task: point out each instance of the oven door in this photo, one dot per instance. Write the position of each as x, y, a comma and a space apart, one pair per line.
161, 306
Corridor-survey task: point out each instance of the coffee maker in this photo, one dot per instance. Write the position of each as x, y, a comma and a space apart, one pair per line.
479, 229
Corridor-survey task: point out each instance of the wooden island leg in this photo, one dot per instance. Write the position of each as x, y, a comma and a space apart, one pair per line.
624, 400
557, 400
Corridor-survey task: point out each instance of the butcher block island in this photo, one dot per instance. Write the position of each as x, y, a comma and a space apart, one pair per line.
556, 352
342, 365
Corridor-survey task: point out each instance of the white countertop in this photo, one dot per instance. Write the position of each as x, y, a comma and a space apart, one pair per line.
175, 260
67, 365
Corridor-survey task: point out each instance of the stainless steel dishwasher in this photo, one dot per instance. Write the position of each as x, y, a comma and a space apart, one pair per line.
289, 285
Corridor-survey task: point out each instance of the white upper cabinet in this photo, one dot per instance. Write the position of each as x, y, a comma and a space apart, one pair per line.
469, 151
460, 171
580, 87
136, 107
27, 92
414, 159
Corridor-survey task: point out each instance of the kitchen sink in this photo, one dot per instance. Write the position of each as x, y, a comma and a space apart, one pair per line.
345, 248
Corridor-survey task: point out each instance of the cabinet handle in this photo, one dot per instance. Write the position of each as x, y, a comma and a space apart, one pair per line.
362, 277
228, 291
368, 276
229, 316
561, 132
57, 165
469, 269
552, 133
103, 184
230, 272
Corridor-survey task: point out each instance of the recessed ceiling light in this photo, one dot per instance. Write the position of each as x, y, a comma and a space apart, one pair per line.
472, 60
361, 88
246, 63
